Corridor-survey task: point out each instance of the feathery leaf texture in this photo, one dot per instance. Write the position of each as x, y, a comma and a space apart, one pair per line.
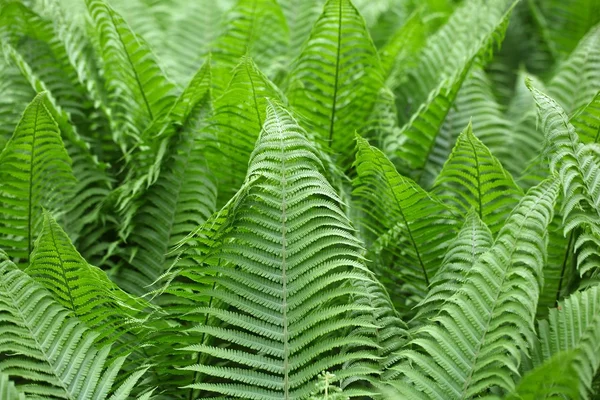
283, 275
574, 325
405, 226
474, 342
46, 347
35, 171
338, 69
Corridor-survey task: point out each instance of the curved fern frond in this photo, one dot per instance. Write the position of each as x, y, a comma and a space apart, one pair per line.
555, 379
473, 178
238, 118
471, 32
406, 228
578, 168
286, 299
476, 340
335, 82
138, 91
470, 243
46, 347
35, 171
253, 28
574, 325
79, 287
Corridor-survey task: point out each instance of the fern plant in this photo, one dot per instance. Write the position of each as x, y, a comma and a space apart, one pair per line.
299, 199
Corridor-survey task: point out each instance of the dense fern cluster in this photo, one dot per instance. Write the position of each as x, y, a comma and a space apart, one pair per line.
299, 199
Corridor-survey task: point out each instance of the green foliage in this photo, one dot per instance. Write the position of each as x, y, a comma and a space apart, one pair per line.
313, 199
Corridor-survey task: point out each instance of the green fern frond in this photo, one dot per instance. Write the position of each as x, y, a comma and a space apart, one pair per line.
238, 118
578, 168
335, 83
283, 280
300, 16
474, 343
470, 243
574, 325
138, 91
80, 287
406, 228
555, 379
473, 178
46, 347
35, 171
472, 30
253, 28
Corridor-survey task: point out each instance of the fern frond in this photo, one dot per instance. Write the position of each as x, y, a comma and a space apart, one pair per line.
556, 378
335, 83
253, 28
406, 228
138, 91
8, 391
79, 287
474, 343
283, 278
574, 325
238, 118
473, 178
300, 16
473, 240
578, 168
35, 171
587, 121
46, 347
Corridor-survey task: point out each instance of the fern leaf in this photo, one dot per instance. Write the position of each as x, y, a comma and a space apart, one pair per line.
35, 171
283, 276
300, 16
405, 227
336, 80
472, 241
473, 178
79, 287
587, 121
474, 343
8, 390
46, 347
253, 28
238, 118
138, 91
578, 169
574, 325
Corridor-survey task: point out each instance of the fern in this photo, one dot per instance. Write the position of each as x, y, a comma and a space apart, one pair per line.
491, 315
283, 272
35, 171
73, 368
330, 92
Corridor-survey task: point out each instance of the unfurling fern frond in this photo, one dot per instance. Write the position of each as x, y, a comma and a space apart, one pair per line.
579, 170
574, 326
287, 302
79, 287
137, 89
473, 178
335, 83
476, 340
47, 348
35, 171
464, 250
406, 228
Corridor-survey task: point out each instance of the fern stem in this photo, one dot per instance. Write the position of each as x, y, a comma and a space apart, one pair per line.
30, 208
564, 267
337, 73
